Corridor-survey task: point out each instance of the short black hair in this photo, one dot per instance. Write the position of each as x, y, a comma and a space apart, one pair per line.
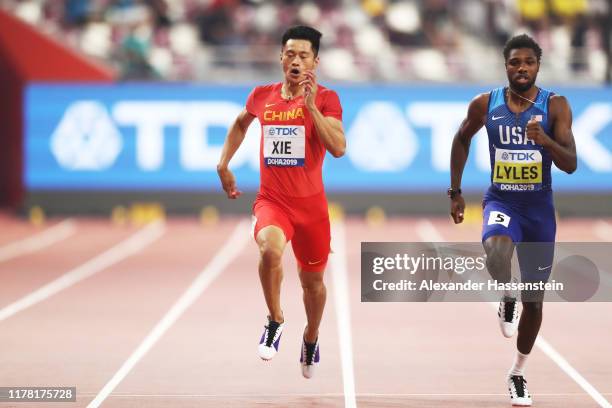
522, 41
303, 33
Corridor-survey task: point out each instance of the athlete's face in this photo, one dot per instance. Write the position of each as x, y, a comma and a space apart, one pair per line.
297, 56
522, 68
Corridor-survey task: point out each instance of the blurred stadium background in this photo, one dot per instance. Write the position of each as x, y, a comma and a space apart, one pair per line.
111, 102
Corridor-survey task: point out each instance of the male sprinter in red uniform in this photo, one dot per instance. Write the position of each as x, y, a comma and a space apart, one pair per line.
300, 121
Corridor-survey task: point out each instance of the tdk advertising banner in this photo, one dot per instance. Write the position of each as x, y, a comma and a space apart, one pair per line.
169, 137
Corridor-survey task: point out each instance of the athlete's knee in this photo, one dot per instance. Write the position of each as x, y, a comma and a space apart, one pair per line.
314, 289
499, 249
312, 282
271, 256
497, 261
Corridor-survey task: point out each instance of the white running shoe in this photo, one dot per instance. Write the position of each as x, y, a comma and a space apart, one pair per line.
270, 339
519, 395
309, 358
508, 316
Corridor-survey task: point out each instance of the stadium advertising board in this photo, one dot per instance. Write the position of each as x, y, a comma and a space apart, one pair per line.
169, 137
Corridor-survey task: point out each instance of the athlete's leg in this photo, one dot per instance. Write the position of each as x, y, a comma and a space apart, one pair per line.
271, 229
500, 229
310, 244
529, 254
535, 260
499, 250
535, 257
271, 241
529, 326
315, 295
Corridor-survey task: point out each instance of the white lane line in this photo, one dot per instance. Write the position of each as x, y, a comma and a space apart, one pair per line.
541, 343
603, 230
330, 394
46, 238
124, 249
571, 371
232, 248
343, 312
428, 232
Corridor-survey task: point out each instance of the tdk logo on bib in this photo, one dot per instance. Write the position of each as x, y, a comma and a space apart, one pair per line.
518, 170
518, 156
284, 146
283, 131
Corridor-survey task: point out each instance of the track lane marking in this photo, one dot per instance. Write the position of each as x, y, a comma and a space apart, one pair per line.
339, 268
39, 241
126, 248
230, 250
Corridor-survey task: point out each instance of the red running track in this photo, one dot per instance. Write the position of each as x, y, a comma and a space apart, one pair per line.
403, 354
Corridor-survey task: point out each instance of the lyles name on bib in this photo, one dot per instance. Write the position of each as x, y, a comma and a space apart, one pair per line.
517, 170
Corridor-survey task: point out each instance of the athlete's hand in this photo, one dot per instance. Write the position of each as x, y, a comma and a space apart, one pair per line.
536, 133
228, 181
457, 207
310, 89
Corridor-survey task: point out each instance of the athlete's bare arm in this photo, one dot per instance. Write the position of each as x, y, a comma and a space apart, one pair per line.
476, 118
330, 132
234, 139
329, 129
562, 148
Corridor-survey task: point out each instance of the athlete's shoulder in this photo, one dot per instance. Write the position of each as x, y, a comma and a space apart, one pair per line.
258, 95
479, 104
559, 105
326, 92
558, 99
328, 97
482, 98
552, 98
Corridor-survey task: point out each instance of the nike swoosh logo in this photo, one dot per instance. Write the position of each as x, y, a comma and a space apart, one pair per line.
270, 104
497, 117
543, 269
313, 263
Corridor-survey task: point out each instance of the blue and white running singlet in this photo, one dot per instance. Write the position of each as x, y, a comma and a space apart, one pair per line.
519, 202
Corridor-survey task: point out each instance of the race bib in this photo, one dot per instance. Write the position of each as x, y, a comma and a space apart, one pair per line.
284, 145
518, 170
498, 217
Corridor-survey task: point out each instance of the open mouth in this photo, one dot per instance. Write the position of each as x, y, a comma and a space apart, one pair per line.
294, 71
522, 78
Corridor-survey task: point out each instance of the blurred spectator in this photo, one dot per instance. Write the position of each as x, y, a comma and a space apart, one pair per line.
571, 16
77, 12
159, 8
215, 22
364, 40
133, 57
534, 14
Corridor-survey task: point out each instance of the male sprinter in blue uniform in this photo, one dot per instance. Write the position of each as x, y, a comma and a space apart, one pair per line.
529, 128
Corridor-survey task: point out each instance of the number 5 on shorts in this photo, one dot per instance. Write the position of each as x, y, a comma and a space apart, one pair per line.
496, 217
